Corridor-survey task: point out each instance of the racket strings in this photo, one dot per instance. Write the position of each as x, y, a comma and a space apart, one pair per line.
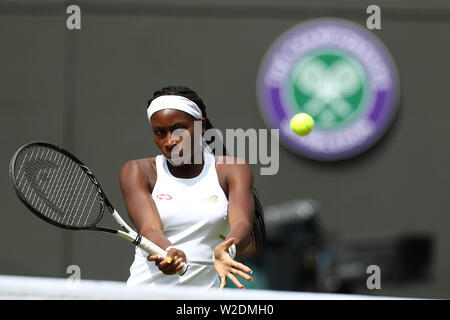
57, 187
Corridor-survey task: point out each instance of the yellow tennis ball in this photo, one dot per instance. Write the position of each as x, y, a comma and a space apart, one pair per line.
302, 124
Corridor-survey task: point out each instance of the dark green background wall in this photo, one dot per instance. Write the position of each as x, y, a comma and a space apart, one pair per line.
87, 90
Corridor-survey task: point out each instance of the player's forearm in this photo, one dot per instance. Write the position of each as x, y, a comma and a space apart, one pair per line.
157, 237
241, 233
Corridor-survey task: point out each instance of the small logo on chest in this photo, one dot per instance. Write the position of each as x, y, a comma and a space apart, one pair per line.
164, 196
211, 198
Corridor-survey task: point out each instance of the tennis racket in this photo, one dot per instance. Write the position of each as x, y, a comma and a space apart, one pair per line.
60, 189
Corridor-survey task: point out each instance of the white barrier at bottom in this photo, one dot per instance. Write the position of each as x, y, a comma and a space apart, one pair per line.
35, 288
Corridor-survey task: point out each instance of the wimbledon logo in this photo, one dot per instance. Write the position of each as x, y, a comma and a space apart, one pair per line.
338, 73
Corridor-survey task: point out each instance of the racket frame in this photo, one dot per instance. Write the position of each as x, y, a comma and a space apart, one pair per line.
126, 232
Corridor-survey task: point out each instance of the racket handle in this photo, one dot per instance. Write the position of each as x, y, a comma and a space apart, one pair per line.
152, 248
183, 270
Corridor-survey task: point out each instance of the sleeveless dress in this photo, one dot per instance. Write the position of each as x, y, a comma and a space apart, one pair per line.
194, 214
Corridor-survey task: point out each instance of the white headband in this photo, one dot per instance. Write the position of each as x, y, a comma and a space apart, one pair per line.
174, 102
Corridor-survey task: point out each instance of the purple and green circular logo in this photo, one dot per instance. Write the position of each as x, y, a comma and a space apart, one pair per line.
341, 75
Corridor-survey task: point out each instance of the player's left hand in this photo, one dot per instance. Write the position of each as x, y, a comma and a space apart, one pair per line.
228, 267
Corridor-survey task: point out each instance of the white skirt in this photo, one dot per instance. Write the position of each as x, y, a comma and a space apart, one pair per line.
146, 273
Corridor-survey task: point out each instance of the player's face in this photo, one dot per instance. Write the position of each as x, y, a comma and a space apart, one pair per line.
173, 132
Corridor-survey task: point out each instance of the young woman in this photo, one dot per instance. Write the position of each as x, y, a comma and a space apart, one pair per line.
204, 212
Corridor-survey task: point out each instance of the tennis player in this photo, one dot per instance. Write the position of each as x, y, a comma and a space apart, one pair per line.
202, 212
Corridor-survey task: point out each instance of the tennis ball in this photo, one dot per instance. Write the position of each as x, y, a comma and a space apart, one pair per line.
302, 124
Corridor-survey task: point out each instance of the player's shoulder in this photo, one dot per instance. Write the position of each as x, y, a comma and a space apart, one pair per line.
232, 165
138, 169
139, 164
229, 160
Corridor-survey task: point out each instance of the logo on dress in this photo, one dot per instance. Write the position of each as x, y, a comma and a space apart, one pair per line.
212, 198
163, 196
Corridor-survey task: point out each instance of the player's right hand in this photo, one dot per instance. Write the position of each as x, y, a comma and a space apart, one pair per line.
171, 263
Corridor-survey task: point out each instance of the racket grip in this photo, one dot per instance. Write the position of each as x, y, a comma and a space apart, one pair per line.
183, 270
152, 248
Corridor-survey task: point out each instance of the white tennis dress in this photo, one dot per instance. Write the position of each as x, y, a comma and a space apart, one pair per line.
194, 217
